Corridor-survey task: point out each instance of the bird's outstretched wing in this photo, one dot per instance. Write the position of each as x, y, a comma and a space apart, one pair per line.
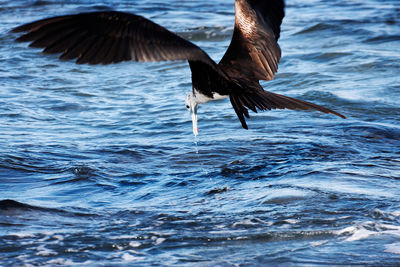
253, 55
109, 37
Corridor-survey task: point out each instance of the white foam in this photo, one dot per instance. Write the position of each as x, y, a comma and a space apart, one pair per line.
22, 235
359, 234
341, 186
292, 221
368, 229
61, 262
159, 241
245, 222
43, 251
351, 94
393, 248
134, 244
129, 257
396, 213
119, 247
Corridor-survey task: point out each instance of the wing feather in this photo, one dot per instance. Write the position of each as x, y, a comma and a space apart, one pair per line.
254, 53
110, 37
75, 47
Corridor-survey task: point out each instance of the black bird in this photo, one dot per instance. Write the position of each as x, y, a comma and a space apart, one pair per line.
113, 36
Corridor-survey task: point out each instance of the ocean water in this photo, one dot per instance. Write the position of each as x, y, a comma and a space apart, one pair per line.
99, 166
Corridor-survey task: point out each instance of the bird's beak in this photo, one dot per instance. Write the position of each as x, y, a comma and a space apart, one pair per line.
193, 112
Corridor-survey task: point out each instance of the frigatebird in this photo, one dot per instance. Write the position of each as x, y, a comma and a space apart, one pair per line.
111, 36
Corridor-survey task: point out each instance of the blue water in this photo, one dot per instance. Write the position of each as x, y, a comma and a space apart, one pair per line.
100, 166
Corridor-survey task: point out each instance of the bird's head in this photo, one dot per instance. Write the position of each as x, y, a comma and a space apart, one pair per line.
192, 105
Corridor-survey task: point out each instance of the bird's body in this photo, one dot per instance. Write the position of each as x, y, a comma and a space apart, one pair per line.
113, 36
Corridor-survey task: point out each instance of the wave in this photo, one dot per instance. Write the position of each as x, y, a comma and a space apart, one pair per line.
368, 229
10, 206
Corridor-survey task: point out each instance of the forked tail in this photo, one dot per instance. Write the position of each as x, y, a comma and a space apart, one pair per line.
264, 100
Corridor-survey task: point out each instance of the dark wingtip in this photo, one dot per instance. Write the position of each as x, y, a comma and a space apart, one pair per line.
14, 30
242, 121
240, 110
338, 114
21, 28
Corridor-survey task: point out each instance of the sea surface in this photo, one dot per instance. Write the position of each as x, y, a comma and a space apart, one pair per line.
99, 165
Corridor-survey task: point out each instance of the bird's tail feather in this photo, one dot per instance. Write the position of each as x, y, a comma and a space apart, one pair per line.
263, 100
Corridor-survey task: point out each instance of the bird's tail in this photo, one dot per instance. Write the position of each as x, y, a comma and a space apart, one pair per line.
263, 100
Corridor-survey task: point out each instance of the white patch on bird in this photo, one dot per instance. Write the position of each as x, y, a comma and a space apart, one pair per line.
217, 96
244, 21
200, 98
